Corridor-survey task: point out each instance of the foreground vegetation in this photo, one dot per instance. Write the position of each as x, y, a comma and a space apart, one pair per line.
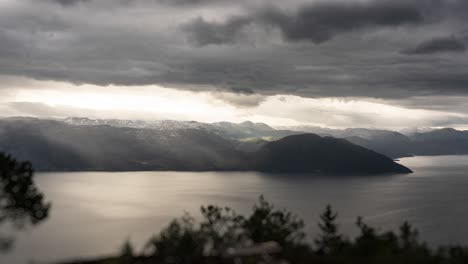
21, 204
270, 235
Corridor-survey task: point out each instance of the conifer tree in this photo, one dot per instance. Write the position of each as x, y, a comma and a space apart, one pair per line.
328, 241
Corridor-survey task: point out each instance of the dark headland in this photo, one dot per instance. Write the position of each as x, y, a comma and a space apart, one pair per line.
308, 153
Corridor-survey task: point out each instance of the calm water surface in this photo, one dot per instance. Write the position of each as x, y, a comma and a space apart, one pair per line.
94, 212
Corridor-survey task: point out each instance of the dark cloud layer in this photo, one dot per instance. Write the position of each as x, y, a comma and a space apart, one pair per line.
205, 33
192, 2
316, 23
319, 23
437, 45
249, 47
69, 2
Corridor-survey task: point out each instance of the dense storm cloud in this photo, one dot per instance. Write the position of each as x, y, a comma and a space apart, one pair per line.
70, 2
242, 52
316, 23
437, 45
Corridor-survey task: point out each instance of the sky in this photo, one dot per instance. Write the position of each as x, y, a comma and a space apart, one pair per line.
337, 63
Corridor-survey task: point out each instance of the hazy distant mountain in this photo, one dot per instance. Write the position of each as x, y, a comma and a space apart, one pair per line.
312, 153
389, 143
157, 124
424, 141
249, 136
54, 145
447, 141
229, 130
368, 134
246, 136
414, 130
119, 145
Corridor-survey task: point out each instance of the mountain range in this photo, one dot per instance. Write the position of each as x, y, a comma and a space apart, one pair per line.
445, 141
249, 136
123, 145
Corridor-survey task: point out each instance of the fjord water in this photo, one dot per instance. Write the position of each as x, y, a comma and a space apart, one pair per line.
94, 212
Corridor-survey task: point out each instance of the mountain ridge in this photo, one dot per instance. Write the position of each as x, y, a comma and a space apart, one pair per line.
249, 136
58, 146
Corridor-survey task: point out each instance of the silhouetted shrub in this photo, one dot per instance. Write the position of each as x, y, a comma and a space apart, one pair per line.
21, 203
329, 241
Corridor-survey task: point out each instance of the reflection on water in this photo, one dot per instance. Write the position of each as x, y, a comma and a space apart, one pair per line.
95, 212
